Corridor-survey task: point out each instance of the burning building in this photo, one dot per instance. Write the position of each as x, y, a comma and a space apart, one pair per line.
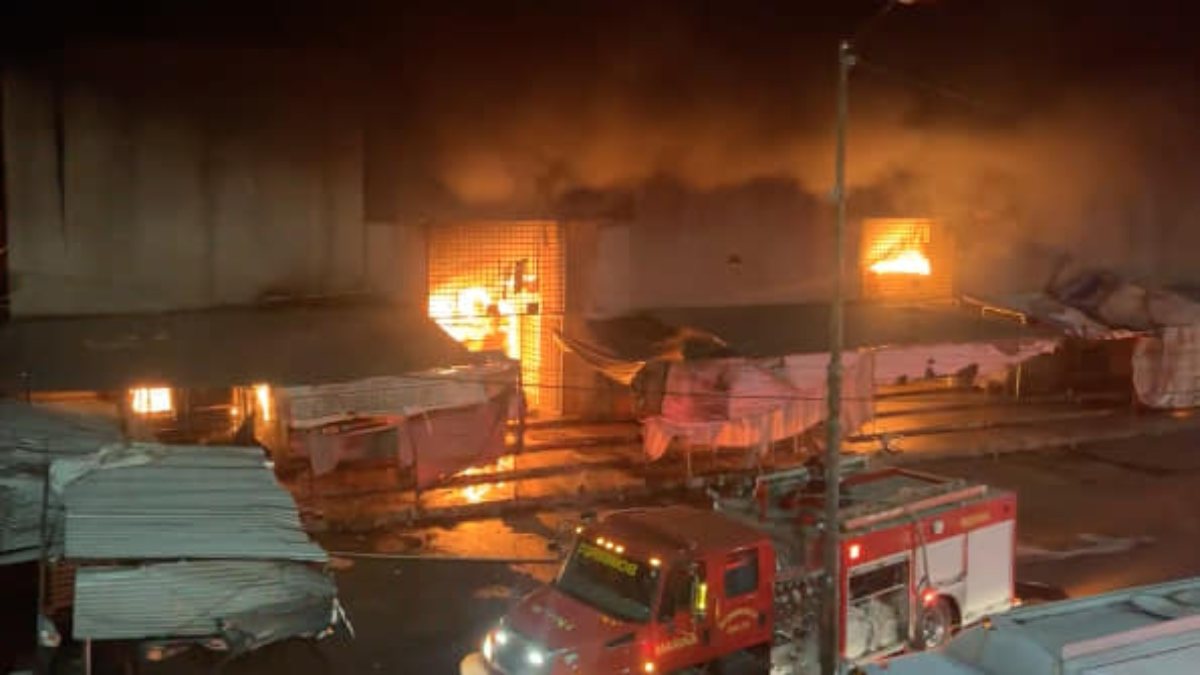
499, 286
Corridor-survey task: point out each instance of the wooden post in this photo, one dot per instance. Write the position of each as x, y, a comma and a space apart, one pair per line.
415, 466
43, 555
520, 411
519, 450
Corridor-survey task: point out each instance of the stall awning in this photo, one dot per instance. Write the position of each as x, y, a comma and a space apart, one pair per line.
289, 345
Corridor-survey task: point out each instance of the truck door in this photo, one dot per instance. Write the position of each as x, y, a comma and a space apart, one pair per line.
741, 605
684, 634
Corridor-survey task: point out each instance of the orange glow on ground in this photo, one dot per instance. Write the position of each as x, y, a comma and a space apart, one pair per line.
476, 493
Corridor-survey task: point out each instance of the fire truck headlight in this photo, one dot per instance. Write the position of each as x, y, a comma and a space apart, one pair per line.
536, 657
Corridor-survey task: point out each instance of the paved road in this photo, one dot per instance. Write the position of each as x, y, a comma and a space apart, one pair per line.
420, 616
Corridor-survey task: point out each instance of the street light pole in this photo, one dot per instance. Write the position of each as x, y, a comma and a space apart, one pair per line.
831, 638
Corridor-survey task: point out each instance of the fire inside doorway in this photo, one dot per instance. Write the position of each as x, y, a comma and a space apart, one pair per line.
498, 286
906, 259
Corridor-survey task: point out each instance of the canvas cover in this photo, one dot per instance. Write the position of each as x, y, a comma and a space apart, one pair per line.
1166, 368
740, 402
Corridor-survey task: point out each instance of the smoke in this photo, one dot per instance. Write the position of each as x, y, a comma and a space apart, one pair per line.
1029, 155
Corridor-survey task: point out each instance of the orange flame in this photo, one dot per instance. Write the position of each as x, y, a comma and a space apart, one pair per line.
475, 493
910, 261
474, 320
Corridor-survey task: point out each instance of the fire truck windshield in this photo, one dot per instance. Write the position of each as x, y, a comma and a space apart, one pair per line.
610, 582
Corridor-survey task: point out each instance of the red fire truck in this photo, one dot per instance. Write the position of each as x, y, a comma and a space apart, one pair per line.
682, 589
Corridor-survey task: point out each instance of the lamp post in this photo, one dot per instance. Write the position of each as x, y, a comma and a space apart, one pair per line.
830, 618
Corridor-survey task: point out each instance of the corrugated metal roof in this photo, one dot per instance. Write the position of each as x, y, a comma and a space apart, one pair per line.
30, 437
21, 519
28, 432
249, 603
156, 502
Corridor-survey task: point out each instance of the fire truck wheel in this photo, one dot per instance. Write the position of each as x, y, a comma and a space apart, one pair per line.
935, 625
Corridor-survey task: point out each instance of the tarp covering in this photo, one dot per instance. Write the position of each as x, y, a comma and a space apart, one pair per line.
1117, 303
437, 423
445, 442
246, 603
1166, 368
741, 402
621, 371
1166, 360
434, 444
404, 395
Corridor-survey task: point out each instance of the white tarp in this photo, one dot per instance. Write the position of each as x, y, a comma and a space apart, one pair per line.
404, 395
741, 402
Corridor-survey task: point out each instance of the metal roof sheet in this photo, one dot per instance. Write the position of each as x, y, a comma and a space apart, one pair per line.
778, 330
29, 432
151, 501
249, 603
30, 438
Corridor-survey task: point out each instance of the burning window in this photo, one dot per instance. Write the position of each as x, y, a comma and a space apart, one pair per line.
905, 259
498, 286
151, 400
262, 401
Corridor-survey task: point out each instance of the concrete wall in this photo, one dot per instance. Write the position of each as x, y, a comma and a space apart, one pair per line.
761, 243
154, 178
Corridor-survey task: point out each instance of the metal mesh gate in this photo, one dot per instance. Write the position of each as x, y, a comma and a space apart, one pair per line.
499, 286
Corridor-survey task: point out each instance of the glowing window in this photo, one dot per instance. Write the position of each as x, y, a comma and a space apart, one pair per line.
150, 400
262, 397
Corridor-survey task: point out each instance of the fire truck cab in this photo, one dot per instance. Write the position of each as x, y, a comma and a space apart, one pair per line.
683, 589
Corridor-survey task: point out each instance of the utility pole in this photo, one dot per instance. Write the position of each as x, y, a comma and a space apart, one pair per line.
831, 638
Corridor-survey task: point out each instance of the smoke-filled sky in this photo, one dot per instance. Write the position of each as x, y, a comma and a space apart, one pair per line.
1064, 124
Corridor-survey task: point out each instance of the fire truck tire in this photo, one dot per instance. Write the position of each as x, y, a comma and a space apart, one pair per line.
935, 625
